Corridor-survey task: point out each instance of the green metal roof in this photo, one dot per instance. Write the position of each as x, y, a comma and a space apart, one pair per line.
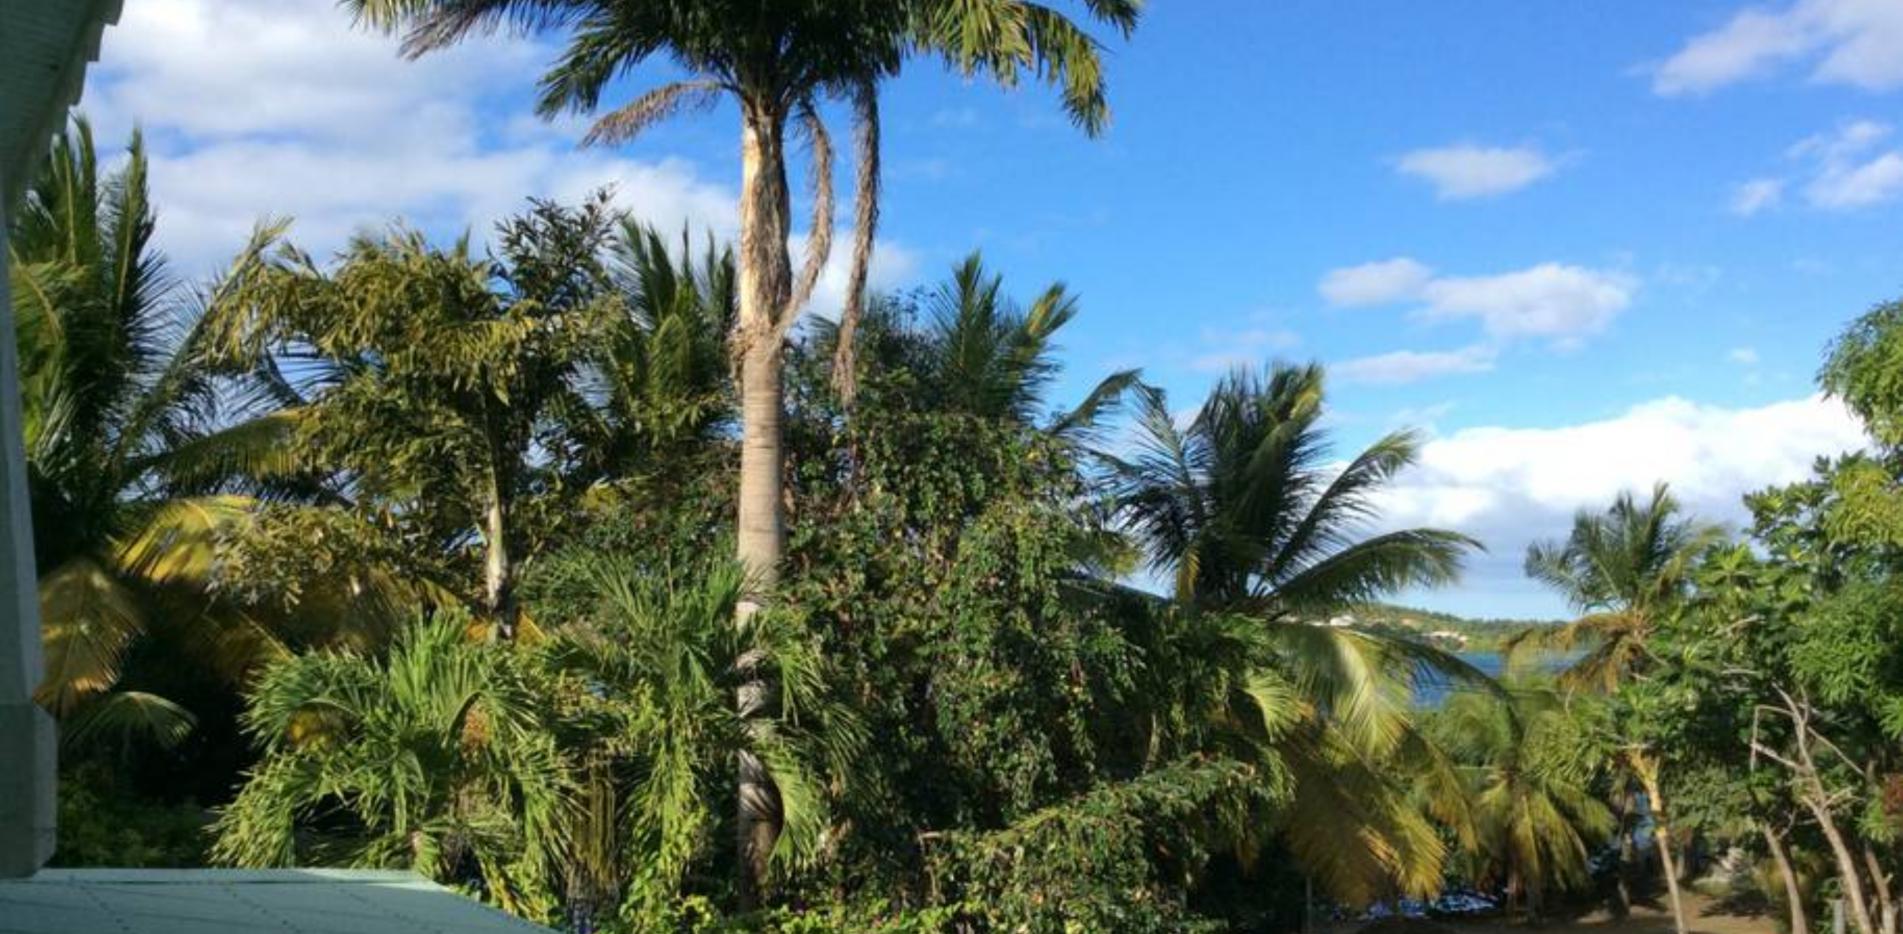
233, 901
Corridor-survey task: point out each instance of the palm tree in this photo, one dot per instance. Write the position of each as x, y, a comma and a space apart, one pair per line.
138, 454
778, 60
438, 374
652, 670
1624, 569
1243, 512
1528, 757
661, 371
977, 353
1224, 685
434, 759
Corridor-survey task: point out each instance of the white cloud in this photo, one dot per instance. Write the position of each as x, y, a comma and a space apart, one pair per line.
1383, 282
1743, 356
1854, 42
1510, 486
1562, 303
1553, 302
1468, 171
893, 265
1408, 366
1847, 186
1841, 170
281, 107
1849, 140
1756, 195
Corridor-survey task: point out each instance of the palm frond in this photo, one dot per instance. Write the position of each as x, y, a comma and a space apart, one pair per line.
88, 618
125, 719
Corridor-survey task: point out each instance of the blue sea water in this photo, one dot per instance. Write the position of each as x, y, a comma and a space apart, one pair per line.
1433, 690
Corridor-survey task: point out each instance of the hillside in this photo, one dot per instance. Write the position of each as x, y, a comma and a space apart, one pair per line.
1444, 629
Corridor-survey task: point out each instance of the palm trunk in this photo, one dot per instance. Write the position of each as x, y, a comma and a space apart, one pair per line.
498, 567
1661, 833
1622, 872
1793, 893
765, 286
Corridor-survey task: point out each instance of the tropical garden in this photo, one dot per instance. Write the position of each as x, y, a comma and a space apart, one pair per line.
568, 564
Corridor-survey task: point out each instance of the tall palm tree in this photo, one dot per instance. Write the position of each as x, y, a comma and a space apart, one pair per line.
434, 758
1245, 514
778, 60
1623, 569
138, 455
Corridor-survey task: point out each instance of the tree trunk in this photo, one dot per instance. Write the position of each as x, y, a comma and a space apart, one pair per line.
1880, 883
1661, 833
1849, 879
1622, 872
498, 567
1793, 893
1817, 799
765, 286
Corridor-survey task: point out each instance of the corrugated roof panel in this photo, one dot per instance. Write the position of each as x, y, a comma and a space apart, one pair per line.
296, 901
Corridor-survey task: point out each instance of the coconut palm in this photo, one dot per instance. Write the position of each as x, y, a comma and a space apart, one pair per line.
139, 457
1244, 514
434, 758
1244, 511
651, 673
1530, 759
1224, 684
778, 60
1623, 569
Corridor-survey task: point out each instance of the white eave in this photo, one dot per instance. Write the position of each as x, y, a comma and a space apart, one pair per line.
45, 46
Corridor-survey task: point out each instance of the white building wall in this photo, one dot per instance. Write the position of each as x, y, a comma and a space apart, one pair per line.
28, 771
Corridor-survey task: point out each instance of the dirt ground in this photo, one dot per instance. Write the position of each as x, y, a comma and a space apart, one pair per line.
1706, 917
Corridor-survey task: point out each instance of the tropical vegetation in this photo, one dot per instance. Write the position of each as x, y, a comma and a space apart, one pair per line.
565, 563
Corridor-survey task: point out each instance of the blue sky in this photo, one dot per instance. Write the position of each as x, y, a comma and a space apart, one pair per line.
1582, 246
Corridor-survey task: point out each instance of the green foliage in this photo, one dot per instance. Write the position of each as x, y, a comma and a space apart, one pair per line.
436, 758
1864, 367
1117, 858
1532, 760
141, 453
1241, 510
102, 824
650, 690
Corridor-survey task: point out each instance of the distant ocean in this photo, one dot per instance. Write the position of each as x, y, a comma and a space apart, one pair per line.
1431, 692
